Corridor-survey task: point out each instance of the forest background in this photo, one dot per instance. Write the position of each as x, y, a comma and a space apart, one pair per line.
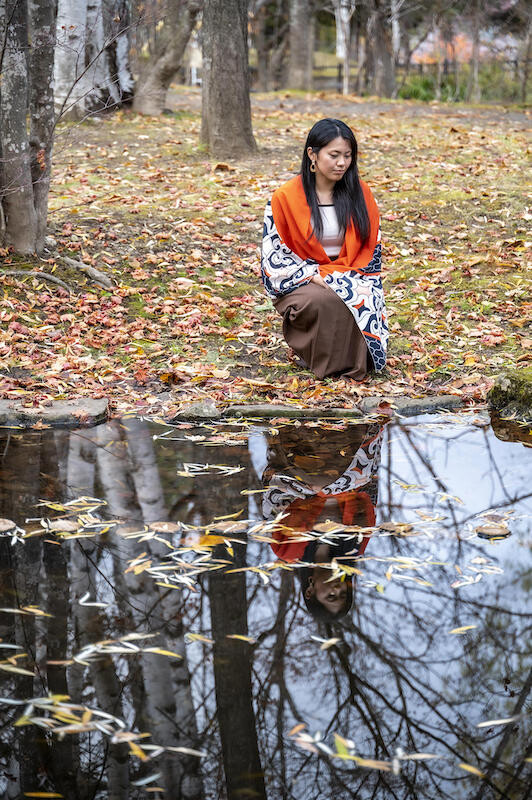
134, 170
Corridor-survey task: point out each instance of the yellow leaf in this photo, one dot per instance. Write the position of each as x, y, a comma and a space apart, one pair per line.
161, 652
197, 637
18, 670
42, 794
241, 638
137, 751
470, 768
463, 629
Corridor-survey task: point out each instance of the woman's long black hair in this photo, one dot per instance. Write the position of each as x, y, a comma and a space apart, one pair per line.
348, 197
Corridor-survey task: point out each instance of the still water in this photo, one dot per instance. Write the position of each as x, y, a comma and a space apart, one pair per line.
295, 611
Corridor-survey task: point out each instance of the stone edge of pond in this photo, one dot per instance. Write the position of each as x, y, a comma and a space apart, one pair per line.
400, 406
83, 412
511, 395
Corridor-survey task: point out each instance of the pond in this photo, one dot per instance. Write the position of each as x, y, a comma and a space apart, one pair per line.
286, 610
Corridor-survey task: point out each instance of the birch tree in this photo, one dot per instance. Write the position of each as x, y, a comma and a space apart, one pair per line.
25, 154
91, 70
343, 13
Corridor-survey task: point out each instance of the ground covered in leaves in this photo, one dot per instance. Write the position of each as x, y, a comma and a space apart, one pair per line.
178, 235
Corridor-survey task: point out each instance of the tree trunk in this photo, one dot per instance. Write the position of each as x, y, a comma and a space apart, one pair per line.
343, 11
527, 53
42, 120
226, 112
70, 84
263, 71
232, 678
381, 45
117, 23
473, 93
301, 45
16, 191
150, 94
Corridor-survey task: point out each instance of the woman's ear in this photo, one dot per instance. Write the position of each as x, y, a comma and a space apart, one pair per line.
310, 152
309, 591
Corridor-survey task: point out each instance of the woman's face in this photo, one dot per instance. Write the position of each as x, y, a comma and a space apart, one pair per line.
331, 594
333, 160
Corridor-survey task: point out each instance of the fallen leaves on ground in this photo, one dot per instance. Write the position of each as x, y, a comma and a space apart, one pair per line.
178, 236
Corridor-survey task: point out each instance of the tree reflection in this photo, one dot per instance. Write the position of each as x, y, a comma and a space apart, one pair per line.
390, 676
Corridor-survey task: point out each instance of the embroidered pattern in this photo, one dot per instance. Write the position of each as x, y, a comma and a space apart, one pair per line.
361, 473
282, 270
361, 290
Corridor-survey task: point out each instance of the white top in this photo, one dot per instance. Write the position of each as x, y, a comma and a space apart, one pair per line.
332, 239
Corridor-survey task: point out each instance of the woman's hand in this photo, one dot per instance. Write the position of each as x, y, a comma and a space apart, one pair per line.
319, 280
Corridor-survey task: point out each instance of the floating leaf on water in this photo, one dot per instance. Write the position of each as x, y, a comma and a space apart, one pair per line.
326, 643
42, 794
160, 652
84, 601
137, 751
297, 728
187, 751
470, 768
396, 527
148, 779
492, 722
18, 670
463, 629
493, 529
241, 638
197, 637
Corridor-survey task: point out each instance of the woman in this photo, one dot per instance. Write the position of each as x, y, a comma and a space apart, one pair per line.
314, 476
321, 259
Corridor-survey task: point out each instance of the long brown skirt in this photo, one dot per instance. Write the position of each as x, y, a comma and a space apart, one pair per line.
319, 328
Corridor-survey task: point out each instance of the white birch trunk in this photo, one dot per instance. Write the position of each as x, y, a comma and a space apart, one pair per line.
80, 478
16, 195
164, 715
70, 77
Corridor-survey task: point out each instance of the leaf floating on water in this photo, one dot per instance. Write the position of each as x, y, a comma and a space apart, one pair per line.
326, 643
492, 530
241, 638
148, 779
137, 751
396, 527
191, 470
42, 794
493, 722
84, 601
470, 768
197, 637
18, 670
297, 728
463, 629
160, 652
187, 751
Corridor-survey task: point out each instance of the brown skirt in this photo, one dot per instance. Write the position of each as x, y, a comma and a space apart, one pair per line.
319, 328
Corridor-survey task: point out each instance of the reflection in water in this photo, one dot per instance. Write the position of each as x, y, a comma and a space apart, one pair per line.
157, 612
313, 479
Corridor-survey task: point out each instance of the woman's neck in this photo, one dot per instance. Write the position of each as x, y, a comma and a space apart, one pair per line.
324, 189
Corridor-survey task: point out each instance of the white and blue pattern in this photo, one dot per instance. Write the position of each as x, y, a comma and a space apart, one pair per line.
361, 290
282, 270
283, 489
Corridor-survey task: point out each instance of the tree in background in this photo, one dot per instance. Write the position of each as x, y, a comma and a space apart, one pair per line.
301, 45
91, 66
27, 31
226, 127
173, 30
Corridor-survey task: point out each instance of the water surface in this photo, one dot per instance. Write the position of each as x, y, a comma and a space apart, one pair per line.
288, 611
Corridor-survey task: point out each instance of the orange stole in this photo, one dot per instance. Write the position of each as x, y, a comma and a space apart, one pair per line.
304, 511
291, 215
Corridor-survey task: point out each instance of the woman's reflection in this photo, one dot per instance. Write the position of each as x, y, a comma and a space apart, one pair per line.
316, 475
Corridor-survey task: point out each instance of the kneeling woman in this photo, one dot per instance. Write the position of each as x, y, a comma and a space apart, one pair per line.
321, 259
